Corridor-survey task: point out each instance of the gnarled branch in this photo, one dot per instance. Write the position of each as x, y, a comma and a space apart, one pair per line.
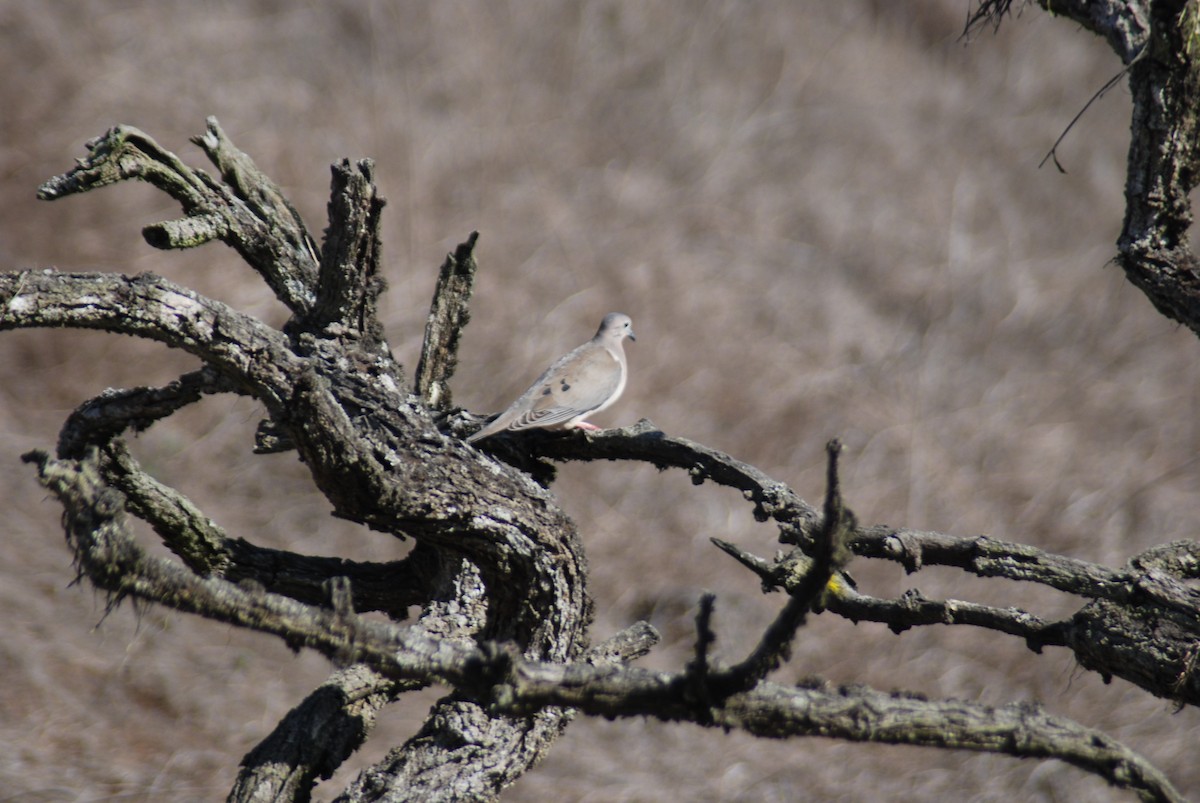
498, 568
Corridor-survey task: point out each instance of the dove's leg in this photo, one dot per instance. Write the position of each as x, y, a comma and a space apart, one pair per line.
587, 426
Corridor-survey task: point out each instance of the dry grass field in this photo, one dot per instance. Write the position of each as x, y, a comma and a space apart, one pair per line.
826, 219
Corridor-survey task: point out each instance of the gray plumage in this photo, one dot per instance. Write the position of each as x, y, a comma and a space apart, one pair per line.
585, 381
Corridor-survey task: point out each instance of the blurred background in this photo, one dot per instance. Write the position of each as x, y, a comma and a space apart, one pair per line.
826, 219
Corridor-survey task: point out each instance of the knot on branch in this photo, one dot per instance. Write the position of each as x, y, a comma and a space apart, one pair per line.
1148, 636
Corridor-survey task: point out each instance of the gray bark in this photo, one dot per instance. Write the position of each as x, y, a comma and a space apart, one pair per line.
498, 571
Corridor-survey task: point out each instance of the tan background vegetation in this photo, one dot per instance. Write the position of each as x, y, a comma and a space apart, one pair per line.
826, 219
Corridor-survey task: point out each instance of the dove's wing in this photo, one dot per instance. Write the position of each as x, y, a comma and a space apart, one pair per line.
586, 380
583, 382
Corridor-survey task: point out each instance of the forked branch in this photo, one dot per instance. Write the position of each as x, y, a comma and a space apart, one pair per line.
505, 683
498, 569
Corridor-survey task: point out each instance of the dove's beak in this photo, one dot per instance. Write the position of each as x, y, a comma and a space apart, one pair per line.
630, 336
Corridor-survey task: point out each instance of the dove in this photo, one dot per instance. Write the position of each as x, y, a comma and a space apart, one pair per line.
582, 382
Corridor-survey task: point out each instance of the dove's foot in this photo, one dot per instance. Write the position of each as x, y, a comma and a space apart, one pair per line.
587, 426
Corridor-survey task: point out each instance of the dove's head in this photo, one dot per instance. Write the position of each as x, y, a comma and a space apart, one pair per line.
615, 327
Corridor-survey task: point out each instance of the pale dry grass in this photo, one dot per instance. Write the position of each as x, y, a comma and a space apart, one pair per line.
825, 219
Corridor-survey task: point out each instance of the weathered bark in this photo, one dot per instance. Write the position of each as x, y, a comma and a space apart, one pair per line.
517, 689
328, 382
498, 570
448, 316
1158, 41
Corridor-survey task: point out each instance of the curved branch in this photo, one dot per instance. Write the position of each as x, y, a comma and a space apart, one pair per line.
1156, 41
799, 521
1124, 23
204, 546
536, 692
389, 588
100, 419
250, 354
114, 563
646, 443
248, 213
112, 560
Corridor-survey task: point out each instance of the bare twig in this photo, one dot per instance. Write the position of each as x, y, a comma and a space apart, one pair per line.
698, 674
1101, 92
828, 557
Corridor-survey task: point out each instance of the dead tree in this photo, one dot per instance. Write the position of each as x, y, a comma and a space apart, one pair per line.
498, 571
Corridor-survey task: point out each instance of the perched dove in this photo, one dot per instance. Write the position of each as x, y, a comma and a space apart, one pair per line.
583, 382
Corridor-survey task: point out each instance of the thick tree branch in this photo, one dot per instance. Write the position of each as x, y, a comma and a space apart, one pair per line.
332, 724
360, 436
1157, 42
520, 687
349, 283
1154, 247
263, 228
333, 391
251, 355
382, 480
530, 579
498, 567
